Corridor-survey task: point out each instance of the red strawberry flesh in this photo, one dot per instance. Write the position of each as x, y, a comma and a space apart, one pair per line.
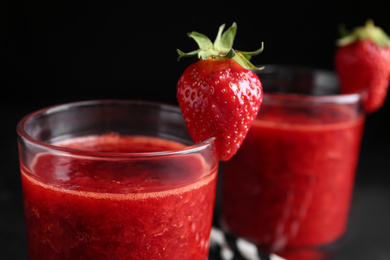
219, 95
363, 65
219, 98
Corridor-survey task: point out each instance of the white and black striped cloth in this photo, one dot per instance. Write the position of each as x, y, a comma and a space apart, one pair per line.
226, 247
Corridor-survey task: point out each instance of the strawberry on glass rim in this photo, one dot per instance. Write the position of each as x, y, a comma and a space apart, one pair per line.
363, 64
219, 95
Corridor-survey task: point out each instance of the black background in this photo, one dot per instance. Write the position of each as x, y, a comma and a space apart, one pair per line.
61, 51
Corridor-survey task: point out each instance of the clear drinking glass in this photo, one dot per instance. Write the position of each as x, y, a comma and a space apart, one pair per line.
289, 186
115, 179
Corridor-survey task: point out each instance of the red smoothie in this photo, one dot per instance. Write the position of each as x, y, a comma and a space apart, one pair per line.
290, 184
82, 208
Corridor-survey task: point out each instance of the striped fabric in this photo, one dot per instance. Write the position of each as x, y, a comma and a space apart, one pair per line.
226, 247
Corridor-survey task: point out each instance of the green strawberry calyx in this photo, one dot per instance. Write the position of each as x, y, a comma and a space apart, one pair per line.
368, 31
221, 48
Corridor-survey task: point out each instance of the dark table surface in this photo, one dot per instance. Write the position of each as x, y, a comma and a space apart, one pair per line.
367, 236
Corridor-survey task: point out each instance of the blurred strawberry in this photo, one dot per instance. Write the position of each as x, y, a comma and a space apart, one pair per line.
363, 64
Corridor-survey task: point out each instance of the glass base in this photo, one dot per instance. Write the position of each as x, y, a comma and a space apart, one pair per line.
320, 252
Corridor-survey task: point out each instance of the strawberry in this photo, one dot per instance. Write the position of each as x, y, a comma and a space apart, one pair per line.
219, 95
362, 62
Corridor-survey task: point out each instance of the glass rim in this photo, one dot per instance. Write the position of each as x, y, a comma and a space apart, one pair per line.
22, 133
336, 98
310, 98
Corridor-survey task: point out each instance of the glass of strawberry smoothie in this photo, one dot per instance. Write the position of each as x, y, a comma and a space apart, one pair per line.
115, 179
289, 186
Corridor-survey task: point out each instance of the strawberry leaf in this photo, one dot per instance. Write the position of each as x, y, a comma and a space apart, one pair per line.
244, 62
369, 31
188, 54
224, 42
249, 54
230, 54
243, 57
204, 54
205, 46
222, 48
202, 40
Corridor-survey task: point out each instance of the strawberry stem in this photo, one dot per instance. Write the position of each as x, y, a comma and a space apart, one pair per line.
369, 31
222, 48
